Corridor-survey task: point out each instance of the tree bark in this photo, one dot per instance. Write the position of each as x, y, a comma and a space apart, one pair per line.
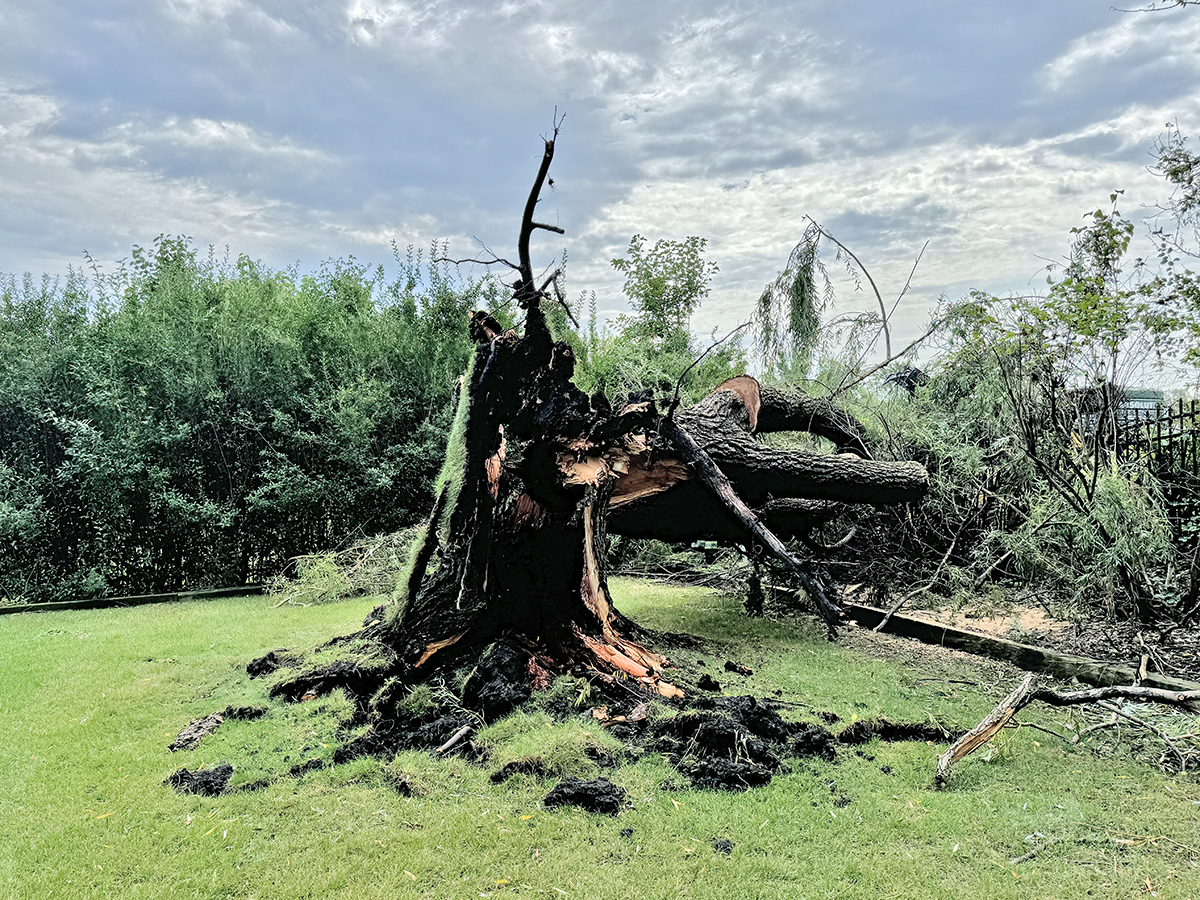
536, 477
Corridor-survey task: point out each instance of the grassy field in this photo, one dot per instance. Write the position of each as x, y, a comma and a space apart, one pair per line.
89, 701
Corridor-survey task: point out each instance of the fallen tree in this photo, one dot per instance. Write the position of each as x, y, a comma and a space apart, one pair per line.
538, 473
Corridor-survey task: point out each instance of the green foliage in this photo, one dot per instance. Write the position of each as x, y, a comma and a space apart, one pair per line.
665, 284
653, 347
1171, 304
788, 314
1023, 483
190, 422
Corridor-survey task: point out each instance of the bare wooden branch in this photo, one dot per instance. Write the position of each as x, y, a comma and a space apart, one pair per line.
1030, 691
456, 738
932, 581
985, 730
553, 279
499, 260
678, 384
527, 296
883, 314
934, 326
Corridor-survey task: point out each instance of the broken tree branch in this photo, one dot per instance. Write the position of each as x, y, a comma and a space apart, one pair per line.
1029, 691
883, 314
932, 581
719, 484
526, 294
699, 359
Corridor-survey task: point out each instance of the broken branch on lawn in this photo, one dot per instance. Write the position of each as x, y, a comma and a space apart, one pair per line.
1029, 691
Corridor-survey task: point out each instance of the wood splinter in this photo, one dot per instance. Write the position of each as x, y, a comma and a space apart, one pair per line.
1030, 690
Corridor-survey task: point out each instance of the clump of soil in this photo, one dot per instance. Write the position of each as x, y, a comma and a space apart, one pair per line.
599, 795
708, 683
313, 765
206, 782
813, 740
864, 730
755, 716
247, 713
720, 751
270, 662
520, 767
344, 673
500, 681
189, 738
723, 845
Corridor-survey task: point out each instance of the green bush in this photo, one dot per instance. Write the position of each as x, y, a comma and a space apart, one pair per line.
186, 422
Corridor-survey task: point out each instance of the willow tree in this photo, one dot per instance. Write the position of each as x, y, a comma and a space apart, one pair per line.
537, 473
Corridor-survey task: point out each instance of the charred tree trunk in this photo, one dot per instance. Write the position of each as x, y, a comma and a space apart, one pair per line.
536, 475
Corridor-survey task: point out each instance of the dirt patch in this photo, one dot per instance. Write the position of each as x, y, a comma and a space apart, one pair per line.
190, 737
866, 729
599, 795
205, 782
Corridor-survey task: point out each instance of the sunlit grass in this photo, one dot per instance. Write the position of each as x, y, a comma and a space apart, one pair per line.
89, 701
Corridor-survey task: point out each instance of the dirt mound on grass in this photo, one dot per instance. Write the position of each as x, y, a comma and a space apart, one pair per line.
722, 743
863, 731
715, 751
206, 782
599, 795
813, 740
499, 682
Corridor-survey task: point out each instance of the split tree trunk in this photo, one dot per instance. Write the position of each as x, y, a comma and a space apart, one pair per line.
538, 473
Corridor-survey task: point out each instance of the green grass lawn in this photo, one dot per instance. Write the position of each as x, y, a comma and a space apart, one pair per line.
90, 699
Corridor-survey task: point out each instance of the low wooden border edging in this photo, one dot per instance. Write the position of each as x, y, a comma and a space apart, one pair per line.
135, 600
1023, 656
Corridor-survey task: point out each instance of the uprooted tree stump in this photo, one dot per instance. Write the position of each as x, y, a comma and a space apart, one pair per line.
536, 475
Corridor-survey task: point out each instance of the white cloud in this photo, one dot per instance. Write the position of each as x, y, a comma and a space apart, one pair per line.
1136, 43
992, 213
219, 137
94, 192
330, 127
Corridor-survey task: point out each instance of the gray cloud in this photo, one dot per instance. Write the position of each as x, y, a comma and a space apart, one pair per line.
302, 131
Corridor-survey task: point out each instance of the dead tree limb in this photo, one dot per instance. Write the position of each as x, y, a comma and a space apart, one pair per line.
720, 485
1030, 690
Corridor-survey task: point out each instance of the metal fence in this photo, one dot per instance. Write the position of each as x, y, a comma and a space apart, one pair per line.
1166, 438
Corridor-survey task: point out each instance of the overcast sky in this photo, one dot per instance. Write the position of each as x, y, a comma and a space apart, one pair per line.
296, 132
